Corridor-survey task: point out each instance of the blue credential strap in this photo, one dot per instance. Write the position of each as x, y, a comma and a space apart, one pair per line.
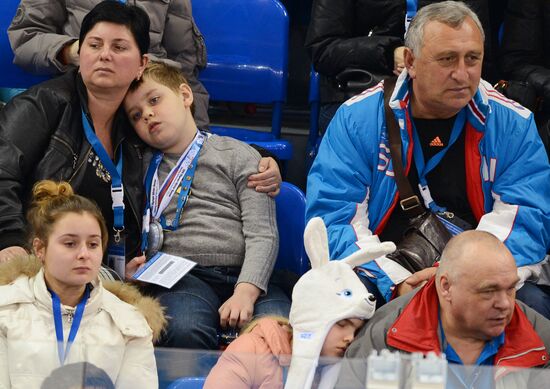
424, 168
185, 187
117, 190
412, 7
62, 352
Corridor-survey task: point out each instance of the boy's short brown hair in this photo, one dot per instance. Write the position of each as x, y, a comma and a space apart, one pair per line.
164, 74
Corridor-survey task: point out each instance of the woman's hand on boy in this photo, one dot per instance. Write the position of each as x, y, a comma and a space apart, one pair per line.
238, 309
268, 179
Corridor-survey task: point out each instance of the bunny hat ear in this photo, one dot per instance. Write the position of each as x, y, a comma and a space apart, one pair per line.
316, 242
362, 256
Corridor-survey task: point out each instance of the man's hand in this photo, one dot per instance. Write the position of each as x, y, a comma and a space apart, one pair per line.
133, 266
238, 309
268, 179
416, 280
398, 60
12, 252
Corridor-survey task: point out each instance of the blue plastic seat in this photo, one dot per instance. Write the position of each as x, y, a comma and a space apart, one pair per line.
187, 383
291, 221
313, 139
247, 46
12, 76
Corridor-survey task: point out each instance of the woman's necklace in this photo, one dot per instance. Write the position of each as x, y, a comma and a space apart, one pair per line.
100, 170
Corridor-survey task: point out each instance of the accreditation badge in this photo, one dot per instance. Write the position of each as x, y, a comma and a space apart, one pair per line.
116, 255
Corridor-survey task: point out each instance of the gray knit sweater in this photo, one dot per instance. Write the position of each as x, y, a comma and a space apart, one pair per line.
224, 223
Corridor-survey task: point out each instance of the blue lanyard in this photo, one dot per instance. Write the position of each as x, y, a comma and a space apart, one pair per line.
185, 187
62, 352
117, 190
412, 6
424, 168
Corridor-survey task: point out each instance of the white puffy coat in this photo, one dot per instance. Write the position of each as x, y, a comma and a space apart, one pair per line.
113, 334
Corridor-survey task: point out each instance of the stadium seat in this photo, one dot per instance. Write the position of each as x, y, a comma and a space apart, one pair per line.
313, 139
247, 46
291, 218
187, 383
12, 76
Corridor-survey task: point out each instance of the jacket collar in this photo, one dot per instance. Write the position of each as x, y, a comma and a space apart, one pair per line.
416, 330
477, 108
26, 274
44, 298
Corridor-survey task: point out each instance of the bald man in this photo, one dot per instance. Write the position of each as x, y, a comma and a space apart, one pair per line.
470, 316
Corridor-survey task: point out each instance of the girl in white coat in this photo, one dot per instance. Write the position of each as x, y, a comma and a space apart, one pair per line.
54, 310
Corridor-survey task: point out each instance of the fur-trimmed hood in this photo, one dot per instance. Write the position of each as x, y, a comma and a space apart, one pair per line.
149, 307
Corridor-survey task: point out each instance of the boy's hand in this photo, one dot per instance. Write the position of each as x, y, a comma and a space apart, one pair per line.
268, 179
238, 309
133, 266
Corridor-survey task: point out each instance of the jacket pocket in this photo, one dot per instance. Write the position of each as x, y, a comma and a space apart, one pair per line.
58, 161
200, 45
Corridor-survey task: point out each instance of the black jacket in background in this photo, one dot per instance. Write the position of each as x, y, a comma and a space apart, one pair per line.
525, 50
42, 137
364, 33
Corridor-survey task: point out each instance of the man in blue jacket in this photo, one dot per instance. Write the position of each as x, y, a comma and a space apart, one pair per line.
476, 154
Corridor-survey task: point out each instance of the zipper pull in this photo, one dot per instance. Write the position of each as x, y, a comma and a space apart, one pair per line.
70, 316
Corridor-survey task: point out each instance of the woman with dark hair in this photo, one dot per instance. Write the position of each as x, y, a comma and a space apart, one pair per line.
44, 38
72, 128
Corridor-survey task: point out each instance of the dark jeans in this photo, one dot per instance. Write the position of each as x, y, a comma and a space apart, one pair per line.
535, 296
192, 306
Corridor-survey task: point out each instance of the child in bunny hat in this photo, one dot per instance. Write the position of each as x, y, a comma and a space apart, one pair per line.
329, 305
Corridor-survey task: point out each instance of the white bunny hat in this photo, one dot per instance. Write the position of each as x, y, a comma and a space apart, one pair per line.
326, 294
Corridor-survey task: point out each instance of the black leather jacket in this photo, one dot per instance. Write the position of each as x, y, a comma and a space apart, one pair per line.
363, 34
525, 51
41, 137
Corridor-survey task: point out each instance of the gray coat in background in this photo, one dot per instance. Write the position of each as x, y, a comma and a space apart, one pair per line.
41, 28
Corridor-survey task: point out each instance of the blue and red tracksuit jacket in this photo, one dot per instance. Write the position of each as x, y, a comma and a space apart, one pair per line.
352, 187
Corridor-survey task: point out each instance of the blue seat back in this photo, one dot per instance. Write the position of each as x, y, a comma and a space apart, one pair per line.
314, 106
12, 76
291, 221
187, 383
247, 46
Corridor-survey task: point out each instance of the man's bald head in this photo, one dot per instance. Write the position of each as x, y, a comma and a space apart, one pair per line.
476, 285
464, 252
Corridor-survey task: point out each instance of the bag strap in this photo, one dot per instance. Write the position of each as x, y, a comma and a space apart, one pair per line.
409, 202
